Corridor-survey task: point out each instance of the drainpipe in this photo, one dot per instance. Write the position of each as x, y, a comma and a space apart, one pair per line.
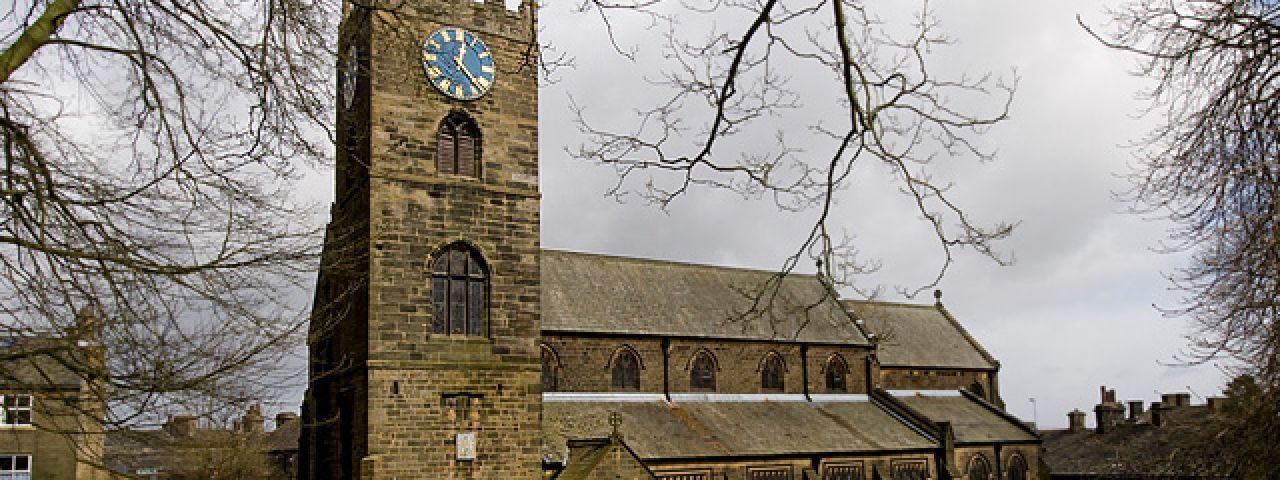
666, 369
804, 370
999, 462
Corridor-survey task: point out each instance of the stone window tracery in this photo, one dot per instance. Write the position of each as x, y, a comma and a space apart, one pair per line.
702, 375
459, 281
979, 468
771, 378
1017, 467
626, 370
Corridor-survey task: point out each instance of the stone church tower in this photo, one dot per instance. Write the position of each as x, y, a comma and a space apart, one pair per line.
424, 354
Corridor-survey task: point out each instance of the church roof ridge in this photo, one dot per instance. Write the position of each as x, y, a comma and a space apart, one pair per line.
671, 262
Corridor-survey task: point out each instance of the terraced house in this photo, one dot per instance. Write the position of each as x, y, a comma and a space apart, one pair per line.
446, 343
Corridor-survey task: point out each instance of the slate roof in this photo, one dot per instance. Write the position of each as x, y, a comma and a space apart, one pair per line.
606, 294
1176, 448
971, 419
920, 336
658, 429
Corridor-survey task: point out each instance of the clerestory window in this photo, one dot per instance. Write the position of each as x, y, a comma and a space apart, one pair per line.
626, 370
550, 370
837, 374
771, 373
702, 375
459, 281
979, 468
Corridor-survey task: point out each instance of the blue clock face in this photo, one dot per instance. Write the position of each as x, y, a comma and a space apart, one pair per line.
457, 63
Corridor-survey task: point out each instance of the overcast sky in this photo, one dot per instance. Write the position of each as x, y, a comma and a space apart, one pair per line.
1074, 311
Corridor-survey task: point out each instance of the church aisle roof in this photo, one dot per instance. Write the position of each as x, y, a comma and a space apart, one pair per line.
606, 294
920, 336
675, 430
971, 420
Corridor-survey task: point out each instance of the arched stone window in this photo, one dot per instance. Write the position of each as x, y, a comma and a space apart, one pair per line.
1017, 467
550, 369
459, 281
771, 373
458, 146
837, 373
979, 468
626, 370
702, 373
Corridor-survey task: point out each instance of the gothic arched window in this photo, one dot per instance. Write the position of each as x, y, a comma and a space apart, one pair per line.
458, 146
771, 373
458, 288
979, 468
702, 374
1017, 467
837, 375
550, 370
626, 370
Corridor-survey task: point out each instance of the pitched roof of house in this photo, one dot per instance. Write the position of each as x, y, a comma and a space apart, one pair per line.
657, 429
972, 420
920, 336
1175, 448
606, 294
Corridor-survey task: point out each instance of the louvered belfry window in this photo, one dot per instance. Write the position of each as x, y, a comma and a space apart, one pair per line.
458, 146
458, 288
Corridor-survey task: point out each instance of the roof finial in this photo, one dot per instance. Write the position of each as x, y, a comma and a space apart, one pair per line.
937, 296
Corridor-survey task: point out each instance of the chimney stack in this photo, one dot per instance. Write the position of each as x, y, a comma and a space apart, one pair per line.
1135, 411
1075, 421
1108, 413
1159, 413
252, 420
285, 418
181, 426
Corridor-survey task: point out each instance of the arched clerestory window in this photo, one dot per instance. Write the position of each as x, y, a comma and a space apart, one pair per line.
550, 369
979, 468
1017, 467
771, 373
626, 370
702, 373
459, 281
458, 146
837, 374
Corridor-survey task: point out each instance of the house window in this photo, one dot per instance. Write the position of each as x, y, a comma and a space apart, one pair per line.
458, 287
458, 146
1017, 467
979, 468
15, 467
837, 375
843, 472
771, 373
702, 375
626, 370
15, 410
550, 370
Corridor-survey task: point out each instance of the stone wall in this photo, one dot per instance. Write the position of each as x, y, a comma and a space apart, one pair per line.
584, 363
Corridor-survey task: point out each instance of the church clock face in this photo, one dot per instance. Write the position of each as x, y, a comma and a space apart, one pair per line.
457, 63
